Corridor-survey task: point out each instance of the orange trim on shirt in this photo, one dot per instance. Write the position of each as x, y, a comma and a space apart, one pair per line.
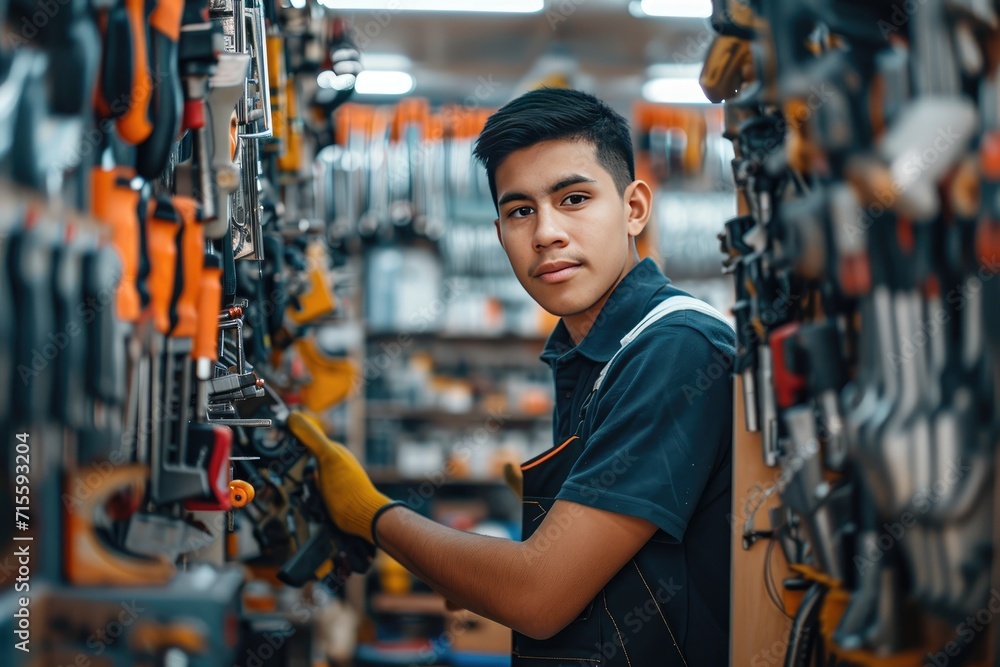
529, 466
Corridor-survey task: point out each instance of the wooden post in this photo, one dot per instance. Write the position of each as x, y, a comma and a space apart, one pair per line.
758, 630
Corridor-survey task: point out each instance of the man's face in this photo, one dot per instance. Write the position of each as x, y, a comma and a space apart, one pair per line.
565, 227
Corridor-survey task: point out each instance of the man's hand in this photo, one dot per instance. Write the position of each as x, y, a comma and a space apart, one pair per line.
349, 495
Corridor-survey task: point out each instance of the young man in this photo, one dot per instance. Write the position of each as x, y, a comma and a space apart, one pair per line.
625, 552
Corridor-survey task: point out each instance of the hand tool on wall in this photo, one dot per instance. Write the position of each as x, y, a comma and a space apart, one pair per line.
72, 402
116, 203
191, 460
293, 530
127, 85
28, 262
225, 90
167, 99
198, 57
328, 555
88, 559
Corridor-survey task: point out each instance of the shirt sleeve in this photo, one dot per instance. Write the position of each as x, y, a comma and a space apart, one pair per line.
662, 423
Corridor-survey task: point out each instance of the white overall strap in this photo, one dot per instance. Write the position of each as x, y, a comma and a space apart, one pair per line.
664, 308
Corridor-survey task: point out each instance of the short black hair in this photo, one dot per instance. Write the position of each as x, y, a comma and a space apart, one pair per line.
557, 113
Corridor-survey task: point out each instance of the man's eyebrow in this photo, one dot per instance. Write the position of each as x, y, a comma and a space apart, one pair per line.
511, 196
568, 181
573, 179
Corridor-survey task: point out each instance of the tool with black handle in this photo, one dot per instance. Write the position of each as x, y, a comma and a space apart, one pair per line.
329, 555
166, 101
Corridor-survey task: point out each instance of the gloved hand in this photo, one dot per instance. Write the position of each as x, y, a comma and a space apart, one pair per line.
349, 495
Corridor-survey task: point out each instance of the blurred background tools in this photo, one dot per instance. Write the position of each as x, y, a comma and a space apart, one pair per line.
864, 286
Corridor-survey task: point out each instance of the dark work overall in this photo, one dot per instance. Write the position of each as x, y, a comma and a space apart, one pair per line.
609, 632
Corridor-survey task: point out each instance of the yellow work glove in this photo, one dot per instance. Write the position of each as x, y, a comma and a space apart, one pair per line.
349, 495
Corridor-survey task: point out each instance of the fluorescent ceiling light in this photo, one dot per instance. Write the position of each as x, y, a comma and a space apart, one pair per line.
510, 6
375, 82
386, 61
684, 9
671, 90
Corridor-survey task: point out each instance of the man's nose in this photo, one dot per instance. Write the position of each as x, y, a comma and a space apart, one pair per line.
549, 230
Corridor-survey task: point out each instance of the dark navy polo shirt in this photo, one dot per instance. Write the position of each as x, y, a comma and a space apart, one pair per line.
658, 434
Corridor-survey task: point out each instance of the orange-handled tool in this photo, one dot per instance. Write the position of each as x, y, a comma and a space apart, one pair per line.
191, 246
133, 125
162, 229
291, 159
116, 204
167, 100
277, 82
206, 341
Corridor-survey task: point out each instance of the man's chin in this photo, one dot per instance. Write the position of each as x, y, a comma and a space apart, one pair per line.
564, 308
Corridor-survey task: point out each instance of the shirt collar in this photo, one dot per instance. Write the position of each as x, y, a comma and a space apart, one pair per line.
627, 305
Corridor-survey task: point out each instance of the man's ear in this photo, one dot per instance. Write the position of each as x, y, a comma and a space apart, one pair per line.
638, 199
496, 223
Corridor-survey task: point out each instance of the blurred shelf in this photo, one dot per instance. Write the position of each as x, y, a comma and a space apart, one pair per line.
411, 603
456, 338
474, 418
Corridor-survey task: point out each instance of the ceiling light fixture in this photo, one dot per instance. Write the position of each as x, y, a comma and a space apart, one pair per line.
386, 61
378, 82
674, 90
691, 9
497, 6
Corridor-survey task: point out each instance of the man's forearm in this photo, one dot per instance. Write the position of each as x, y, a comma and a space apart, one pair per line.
487, 575
536, 587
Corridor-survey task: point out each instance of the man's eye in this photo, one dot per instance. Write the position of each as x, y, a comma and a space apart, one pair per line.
575, 200
521, 212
